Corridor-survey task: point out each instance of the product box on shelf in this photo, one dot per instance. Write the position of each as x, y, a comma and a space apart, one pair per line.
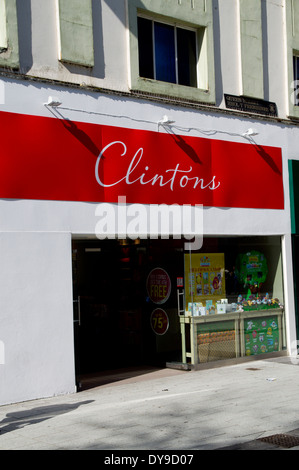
196, 309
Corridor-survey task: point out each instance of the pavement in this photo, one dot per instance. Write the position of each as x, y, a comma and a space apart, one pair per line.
225, 408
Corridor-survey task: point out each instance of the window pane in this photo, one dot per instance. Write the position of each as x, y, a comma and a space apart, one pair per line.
3, 37
297, 68
165, 53
145, 48
186, 47
296, 79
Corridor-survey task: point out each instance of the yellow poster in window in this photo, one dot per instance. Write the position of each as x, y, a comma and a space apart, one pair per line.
204, 278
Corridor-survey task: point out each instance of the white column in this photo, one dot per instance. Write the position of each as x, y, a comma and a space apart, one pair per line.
36, 316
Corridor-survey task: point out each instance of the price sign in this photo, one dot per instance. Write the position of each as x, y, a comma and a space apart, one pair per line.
159, 321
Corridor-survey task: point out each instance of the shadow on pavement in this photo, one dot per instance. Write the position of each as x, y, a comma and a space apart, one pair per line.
20, 419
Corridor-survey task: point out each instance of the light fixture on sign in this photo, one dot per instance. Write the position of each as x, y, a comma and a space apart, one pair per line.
53, 102
250, 132
165, 121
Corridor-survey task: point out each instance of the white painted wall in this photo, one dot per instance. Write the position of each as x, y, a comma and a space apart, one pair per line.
227, 50
39, 48
36, 316
40, 59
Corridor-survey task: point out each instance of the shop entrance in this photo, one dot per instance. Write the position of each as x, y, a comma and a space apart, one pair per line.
118, 323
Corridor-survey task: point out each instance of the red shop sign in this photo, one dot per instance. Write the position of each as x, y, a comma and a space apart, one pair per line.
58, 159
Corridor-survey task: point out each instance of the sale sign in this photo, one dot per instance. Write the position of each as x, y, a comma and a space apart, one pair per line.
158, 286
159, 321
59, 159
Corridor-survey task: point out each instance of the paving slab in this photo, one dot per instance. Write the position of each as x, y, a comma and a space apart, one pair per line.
230, 407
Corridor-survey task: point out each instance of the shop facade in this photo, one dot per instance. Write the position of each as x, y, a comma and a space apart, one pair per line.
90, 280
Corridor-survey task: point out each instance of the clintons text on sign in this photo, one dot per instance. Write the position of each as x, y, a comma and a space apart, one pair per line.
58, 159
173, 178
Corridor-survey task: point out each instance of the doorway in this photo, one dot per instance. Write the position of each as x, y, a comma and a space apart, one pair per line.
113, 308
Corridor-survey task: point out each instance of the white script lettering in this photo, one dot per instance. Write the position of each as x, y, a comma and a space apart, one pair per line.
134, 174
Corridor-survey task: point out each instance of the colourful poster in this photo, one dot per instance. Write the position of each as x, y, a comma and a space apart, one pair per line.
252, 271
204, 278
261, 335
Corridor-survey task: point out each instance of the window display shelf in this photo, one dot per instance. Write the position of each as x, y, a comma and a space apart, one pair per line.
215, 337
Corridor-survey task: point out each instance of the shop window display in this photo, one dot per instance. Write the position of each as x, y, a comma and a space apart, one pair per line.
233, 299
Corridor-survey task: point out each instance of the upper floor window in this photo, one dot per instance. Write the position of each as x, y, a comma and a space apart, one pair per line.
9, 40
167, 53
296, 80
171, 49
3, 36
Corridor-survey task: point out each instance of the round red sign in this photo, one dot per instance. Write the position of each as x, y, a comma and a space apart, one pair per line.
158, 286
159, 321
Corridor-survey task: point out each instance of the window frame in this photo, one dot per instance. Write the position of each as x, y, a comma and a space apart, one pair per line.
3, 28
295, 79
9, 54
198, 18
175, 27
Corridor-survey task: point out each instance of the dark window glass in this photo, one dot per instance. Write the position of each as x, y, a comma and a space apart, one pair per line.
145, 48
296, 67
186, 50
296, 80
165, 53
